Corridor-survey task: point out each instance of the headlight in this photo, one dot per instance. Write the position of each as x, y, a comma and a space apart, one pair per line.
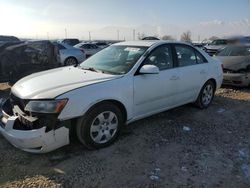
46, 106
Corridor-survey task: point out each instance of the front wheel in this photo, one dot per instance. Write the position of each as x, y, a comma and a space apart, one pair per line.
206, 95
100, 126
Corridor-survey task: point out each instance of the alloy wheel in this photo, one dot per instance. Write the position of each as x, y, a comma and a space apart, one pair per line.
104, 127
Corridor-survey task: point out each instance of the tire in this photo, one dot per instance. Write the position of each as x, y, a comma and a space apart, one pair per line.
70, 61
100, 126
206, 95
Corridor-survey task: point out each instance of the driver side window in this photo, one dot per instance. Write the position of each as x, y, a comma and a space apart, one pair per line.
161, 57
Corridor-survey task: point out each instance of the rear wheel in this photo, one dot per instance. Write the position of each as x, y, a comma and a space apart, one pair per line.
100, 126
206, 95
70, 61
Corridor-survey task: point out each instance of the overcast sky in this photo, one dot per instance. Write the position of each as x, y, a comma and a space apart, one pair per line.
104, 18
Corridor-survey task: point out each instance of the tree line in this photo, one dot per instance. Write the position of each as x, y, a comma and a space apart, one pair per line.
185, 37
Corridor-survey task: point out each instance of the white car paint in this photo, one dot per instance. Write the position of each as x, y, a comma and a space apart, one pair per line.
35, 86
141, 95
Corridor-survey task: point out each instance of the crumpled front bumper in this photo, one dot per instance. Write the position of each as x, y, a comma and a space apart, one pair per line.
236, 79
35, 140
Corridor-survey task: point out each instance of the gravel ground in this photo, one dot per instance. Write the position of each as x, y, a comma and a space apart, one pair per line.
183, 147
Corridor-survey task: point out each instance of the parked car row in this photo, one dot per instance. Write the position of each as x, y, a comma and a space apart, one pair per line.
87, 47
21, 58
120, 84
218, 44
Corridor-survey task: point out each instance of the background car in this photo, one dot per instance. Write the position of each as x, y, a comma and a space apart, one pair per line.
20, 59
236, 63
4, 38
150, 38
70, 55
216, 45
88, 48
70, 42
101, 44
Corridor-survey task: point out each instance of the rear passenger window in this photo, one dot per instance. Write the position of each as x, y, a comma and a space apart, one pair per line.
188, 56
200, 59
185, 55
161, 57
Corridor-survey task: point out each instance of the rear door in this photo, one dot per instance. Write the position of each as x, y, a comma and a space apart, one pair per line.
193, 71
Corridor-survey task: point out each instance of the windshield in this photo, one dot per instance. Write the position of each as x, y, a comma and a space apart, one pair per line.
219, 42
115, 59
235, 51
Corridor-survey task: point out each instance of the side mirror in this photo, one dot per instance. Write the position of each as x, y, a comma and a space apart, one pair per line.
149, 69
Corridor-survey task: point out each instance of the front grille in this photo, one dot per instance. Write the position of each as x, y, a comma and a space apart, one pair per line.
228, 71
14, 100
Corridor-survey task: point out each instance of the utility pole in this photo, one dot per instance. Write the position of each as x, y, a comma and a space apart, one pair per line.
48, 35
89, 36
133, 34
65, 32
118, 33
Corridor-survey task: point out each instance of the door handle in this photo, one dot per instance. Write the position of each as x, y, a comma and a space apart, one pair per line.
174, 78
203, 72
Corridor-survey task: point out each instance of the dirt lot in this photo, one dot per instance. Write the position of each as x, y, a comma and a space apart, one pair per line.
183, 147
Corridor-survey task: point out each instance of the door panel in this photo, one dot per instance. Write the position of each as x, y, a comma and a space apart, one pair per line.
153, 92
192, 70
192, 79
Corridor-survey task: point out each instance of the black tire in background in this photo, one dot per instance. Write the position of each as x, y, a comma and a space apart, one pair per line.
70, 61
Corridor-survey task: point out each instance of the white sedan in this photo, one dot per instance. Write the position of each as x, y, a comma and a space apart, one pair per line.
120, 84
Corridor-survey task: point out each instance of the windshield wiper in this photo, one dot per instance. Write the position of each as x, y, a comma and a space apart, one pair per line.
90, 69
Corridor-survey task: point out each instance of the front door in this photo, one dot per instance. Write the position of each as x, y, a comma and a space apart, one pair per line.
155, 92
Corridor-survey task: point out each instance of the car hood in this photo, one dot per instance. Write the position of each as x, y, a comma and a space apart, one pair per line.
54, 82
234, 63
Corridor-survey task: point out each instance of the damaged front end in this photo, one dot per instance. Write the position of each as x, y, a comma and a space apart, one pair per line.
32, 130
236, 78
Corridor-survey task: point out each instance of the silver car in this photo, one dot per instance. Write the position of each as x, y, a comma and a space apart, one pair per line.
70, 55
236, 62
89, 48
215, 46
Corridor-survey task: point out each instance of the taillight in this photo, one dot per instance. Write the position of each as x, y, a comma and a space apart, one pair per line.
222, 67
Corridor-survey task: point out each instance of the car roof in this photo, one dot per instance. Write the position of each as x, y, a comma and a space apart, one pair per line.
65, 45
86, 43
148, 43
239, 45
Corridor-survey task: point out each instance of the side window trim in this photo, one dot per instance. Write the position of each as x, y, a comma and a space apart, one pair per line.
149, 53
174, 55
